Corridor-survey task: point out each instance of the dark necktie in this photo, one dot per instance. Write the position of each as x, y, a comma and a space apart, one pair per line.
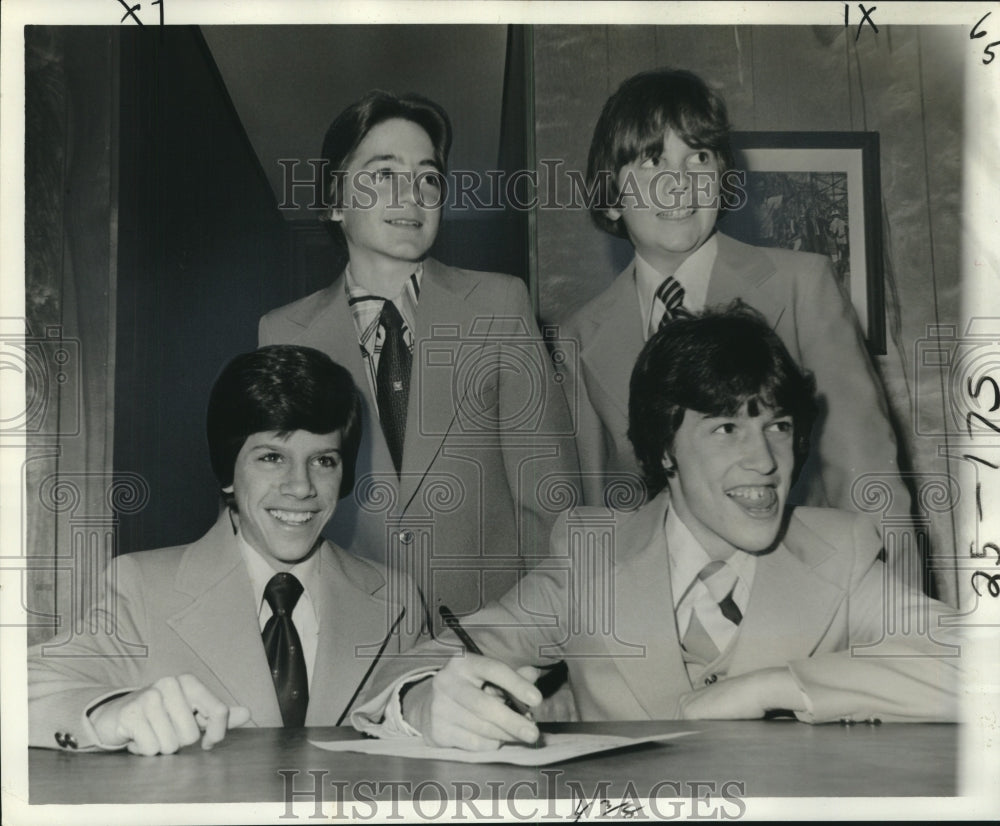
284, 649
392, 382
671, 294
718, 577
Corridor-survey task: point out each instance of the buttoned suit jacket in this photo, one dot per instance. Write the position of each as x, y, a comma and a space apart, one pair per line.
799, 297
607, 611
190, 609
489, 445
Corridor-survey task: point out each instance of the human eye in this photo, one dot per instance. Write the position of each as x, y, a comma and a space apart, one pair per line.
780, 426
651, 162
383, 173
269, 457
431, 178
725, 428
702, 157
328, 461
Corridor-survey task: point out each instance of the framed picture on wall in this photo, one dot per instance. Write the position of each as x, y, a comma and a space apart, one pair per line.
818, 192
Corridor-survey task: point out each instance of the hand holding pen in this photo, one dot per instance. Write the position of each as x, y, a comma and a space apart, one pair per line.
490, 686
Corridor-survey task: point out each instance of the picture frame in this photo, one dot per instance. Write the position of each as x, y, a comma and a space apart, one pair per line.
818, 192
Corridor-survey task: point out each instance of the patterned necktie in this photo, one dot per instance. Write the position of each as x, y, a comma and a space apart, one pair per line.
392, 382
284, 649
714, 620
671, 295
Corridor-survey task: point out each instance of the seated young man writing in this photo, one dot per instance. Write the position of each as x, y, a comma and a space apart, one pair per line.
260, 620
714, 599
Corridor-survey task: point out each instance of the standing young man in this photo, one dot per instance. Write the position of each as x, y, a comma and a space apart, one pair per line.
658, 154
465, 425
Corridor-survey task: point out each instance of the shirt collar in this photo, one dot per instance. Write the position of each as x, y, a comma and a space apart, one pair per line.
260, 572
687, 557
693, 275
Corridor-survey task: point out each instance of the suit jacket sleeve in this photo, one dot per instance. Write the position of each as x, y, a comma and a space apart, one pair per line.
526, 626
69, 674
900, 663
855, 435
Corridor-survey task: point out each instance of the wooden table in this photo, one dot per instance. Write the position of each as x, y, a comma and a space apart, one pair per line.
777, 758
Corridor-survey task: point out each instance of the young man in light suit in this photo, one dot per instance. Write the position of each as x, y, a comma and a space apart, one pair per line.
659, 152
173, 652
715, 600
466, 429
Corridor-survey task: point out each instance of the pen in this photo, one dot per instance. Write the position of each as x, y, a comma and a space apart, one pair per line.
470, 645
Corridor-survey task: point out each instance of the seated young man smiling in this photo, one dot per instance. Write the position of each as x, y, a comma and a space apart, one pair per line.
260, 621
718, 601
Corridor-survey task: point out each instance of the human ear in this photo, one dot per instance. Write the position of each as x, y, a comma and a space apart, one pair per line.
669, 465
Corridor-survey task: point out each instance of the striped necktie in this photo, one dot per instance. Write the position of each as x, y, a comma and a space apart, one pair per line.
671, 295
716, 618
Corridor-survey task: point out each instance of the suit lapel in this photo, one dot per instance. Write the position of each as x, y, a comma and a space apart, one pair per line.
644, 613
353, 623
443, 324
739, 269
213, 573
331, 329
616, 340
791, 605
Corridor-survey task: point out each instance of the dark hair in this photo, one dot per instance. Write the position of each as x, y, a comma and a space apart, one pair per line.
351, 127
632, 124
713, 363
282, 388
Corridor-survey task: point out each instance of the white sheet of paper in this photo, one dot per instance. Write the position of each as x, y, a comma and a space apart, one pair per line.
558, 747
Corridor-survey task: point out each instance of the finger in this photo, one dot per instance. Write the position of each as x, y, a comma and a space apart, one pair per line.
485, 670
135, 728
530, 673
159, 720
483, 714
178, 710
238, 716
212, 714
459, 737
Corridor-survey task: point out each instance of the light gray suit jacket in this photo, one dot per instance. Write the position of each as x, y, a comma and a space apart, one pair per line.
189, 609
798, 295
488, 451
607, 611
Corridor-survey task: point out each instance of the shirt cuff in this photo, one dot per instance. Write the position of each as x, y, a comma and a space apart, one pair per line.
88, 726
382, 716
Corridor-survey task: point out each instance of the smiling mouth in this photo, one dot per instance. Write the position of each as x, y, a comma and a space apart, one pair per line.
293, 518
759, 501
405, 222
678, 214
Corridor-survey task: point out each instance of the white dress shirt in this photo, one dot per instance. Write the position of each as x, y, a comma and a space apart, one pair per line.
366, 310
